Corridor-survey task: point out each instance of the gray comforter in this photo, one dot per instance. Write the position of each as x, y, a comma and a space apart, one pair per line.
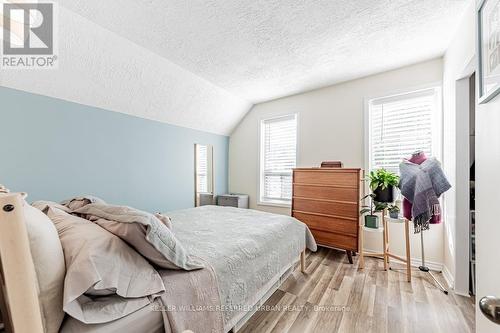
248, 250
245, 253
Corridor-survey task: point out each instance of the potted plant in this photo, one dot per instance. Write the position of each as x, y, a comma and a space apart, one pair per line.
372, 220
382, 183
393, 211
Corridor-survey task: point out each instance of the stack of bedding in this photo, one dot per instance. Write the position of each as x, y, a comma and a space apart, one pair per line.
116, 268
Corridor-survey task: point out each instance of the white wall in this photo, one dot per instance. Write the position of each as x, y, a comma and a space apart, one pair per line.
456, 64
331, 127
487, 198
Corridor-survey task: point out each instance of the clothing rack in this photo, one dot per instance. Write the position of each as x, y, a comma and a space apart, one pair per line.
426, 269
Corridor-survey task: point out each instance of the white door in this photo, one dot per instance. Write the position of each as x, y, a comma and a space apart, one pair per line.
487, 208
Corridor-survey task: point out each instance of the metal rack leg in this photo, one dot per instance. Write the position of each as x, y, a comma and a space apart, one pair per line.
443, 289
385, 240
426, 269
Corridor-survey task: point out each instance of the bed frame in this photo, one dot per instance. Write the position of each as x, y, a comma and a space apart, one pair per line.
19, 305
269, 290
18, 284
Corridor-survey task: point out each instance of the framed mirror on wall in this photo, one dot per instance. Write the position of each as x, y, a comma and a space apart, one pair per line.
488, 49
204, 174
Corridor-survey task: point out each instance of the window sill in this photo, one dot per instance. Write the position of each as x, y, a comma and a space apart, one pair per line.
274, 204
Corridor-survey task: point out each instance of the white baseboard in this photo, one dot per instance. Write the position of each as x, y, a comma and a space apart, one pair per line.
448, 277
416, 262
462, 294
436, 267
433, 266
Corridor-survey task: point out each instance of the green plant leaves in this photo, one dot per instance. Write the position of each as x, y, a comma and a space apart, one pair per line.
374, 206
380, 206
382, 179
364, 211
393, 208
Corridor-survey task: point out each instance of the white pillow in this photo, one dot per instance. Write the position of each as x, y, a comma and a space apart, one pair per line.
48, 259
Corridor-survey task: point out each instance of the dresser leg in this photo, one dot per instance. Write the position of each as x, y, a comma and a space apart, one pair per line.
349, 256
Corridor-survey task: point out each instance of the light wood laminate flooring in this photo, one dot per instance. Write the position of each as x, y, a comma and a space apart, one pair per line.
335, 296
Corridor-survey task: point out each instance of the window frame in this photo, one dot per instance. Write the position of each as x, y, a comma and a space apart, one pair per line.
438, 129
207, 171
260, 167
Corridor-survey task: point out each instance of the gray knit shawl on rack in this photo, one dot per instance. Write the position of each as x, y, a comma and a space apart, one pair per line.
423, 184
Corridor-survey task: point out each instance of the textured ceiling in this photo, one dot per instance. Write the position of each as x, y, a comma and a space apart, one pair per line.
202, 64
99, 68
264, 49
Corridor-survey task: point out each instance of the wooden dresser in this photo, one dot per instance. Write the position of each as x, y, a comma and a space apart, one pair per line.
328, 201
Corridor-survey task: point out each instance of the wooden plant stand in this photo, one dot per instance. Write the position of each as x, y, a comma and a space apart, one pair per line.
386, 254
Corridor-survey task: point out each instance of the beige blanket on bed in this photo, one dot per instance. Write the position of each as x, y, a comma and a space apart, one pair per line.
191, 301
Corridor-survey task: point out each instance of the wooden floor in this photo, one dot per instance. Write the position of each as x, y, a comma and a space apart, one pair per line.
334, 296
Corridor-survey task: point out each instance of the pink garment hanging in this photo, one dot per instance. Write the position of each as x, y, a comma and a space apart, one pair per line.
436, 219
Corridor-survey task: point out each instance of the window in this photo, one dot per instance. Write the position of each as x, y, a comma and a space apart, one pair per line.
204, 177
204, 174
278, 154
402, 124
202, 168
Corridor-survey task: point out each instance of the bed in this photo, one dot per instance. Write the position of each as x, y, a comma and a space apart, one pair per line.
251, 253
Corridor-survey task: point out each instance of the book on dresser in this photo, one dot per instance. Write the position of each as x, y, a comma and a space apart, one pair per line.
328, 200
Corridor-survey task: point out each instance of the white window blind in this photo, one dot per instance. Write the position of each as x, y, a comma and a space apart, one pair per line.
401, 125
202, 168
278, 158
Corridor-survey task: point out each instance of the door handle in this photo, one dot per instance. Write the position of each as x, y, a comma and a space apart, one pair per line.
490, 307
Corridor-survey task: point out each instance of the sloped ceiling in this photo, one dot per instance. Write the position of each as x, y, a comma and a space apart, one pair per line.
99, 68
203, 63
264, 49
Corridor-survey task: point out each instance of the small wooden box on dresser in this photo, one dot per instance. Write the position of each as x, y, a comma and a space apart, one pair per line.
328, 200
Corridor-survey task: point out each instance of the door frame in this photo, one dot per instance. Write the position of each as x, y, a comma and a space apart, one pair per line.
462, 187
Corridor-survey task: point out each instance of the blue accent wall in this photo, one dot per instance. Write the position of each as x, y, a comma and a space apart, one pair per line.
54, 150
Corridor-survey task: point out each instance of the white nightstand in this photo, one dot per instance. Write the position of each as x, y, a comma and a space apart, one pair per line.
233, 200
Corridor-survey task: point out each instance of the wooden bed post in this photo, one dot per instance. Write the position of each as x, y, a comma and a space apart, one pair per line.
303, 261
17, 267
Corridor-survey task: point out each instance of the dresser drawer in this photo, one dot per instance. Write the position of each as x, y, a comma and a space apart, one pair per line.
320, 177
227, 201
233, 200
330, 224
324, 192
348, 210
327, 200
335, 240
